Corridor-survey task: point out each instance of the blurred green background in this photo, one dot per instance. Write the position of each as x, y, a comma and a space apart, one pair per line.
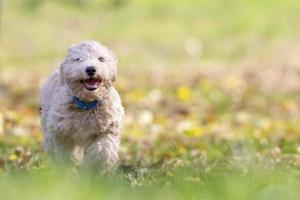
210, 88
147, 34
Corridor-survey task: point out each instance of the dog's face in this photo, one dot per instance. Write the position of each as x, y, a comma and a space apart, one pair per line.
89, 70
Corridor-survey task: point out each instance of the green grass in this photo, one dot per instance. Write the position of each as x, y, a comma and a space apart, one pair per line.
210, 91
186, 184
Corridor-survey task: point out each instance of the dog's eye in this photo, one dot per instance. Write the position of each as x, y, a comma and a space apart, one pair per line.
101, 59
77, 59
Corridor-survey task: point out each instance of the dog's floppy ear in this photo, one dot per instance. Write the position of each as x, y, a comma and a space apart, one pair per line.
114, 56
62, 65
113, 72
62, 76
113, 78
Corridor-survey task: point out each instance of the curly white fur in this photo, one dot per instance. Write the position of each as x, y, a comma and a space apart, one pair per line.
65, 127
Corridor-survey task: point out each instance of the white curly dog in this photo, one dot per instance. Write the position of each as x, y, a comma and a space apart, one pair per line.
81, 108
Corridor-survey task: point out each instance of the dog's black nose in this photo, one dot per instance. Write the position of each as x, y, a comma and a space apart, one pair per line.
90, 70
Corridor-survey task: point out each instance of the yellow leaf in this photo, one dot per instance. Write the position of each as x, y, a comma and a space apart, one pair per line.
181, 150
37, 136
136, 95
195, 131
13, 157
184, 93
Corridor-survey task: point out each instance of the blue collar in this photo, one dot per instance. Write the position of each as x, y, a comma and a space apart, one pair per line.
82, 105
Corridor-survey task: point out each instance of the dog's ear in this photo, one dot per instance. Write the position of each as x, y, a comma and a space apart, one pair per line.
114, 56
113, 71
113, 78
113, 74
61, 72
62, 65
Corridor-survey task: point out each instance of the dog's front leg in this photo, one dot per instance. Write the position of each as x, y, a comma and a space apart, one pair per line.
59, 149
102, 153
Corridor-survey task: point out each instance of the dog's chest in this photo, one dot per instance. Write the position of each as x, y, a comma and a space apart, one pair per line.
81, 124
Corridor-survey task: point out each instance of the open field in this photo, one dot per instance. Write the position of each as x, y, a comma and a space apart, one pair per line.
211, 91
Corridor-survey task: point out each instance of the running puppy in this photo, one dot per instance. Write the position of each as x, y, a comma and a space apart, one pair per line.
81, 108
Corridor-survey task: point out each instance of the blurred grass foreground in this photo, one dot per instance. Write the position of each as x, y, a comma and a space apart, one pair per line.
211, 91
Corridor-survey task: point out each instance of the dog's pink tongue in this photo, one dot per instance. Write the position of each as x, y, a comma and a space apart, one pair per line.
91, 83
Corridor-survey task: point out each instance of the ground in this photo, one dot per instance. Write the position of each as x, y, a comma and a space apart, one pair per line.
211, 93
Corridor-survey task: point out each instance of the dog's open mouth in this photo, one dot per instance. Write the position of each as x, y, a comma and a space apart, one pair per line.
91, 83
